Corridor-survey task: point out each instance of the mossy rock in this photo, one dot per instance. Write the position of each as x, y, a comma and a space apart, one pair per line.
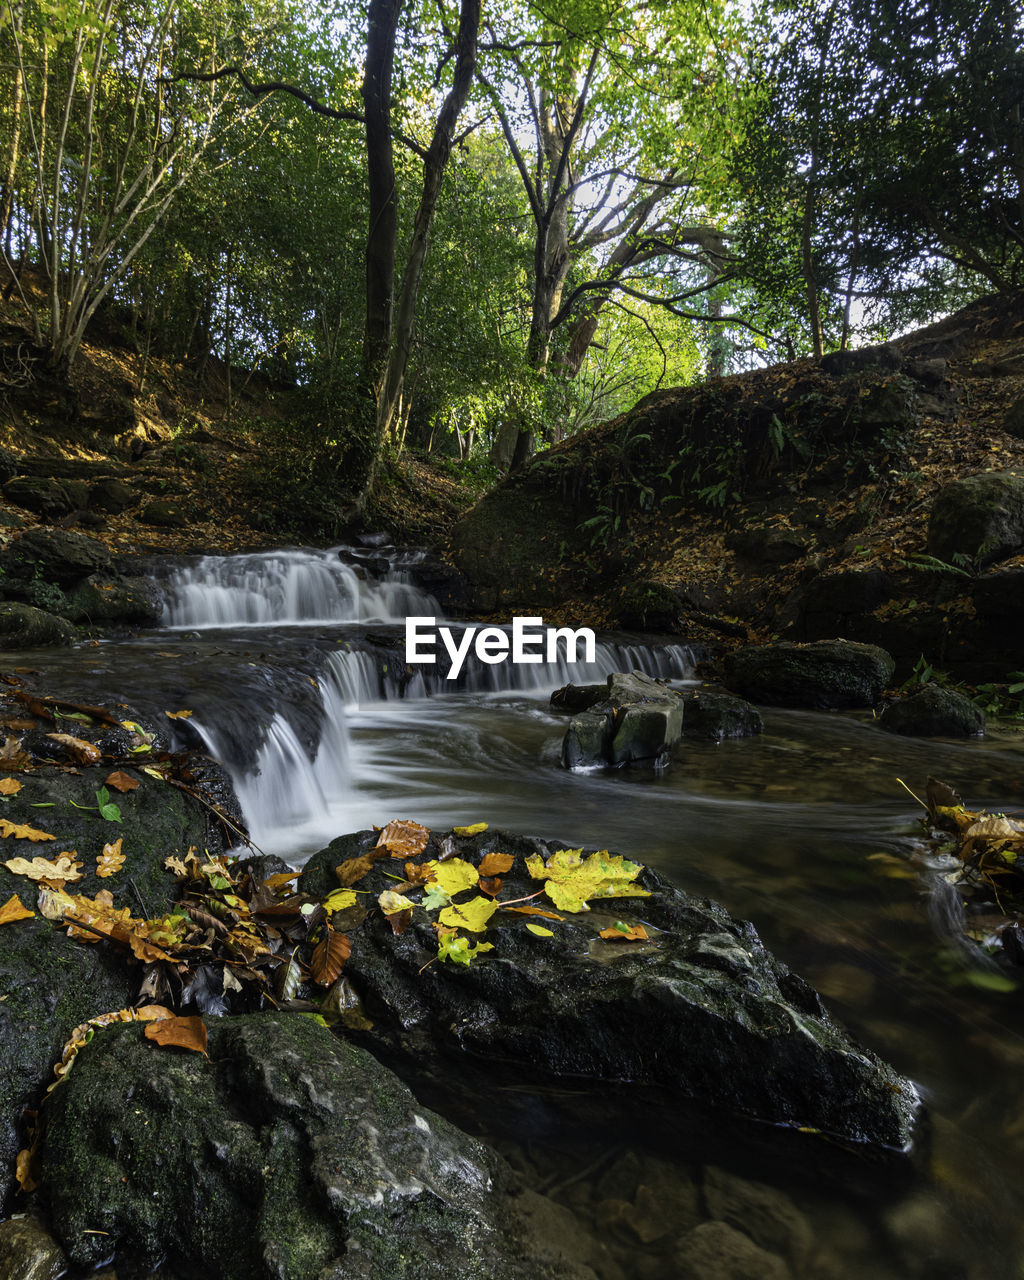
934, 712
649, 606
24, 627
165, 513
102, 600
712, 715
827, 675
56, 555
980, 517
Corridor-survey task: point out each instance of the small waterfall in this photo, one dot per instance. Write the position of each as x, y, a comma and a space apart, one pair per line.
292, 588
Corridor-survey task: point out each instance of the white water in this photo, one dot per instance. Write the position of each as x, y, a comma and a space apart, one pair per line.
287, 588
295, 803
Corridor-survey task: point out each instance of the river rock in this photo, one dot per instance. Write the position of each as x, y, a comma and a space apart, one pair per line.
716, 1251
765, 1214
702, 1013
827, 675
24, 627
980, 517
49, 983
287, 1154
934, 712
29, 1252
708, 714
100, 600
56, 555
41, 494
575, 698
635, 723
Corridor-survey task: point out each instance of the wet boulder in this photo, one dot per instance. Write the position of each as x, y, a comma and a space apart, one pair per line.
111, 495
934, 712
29, 1252
103, 600
713, 715
22, 626
286, 1154
979, 517
575, 698
826, 675
636, 722
41, 494
164, 513
699, 1012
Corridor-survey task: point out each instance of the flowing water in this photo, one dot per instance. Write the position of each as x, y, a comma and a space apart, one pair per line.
293, 667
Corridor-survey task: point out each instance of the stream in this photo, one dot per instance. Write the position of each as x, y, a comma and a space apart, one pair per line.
292, 665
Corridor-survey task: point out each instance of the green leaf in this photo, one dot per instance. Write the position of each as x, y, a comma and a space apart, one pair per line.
452, 946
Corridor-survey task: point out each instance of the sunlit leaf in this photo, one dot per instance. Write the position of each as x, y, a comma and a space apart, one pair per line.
280, 880
570, 880
177, 866
389, 901
13, 910
474, 830
177, 715
453, 946
182, 1033
472, 915
622, 932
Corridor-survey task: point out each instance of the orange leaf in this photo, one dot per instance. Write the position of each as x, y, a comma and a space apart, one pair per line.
22, 832
12, 758
111, 860
535, 911
495, 864
403, 839
121, 781
634, 933
9, 786
353, 869
13, 909
184, 1033
80, 750
27, 1169
177, 715
280, 880
491, 885
329, 957
144, 950
418, 872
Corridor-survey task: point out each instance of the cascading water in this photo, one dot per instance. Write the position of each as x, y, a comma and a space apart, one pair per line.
294, 798
289, 588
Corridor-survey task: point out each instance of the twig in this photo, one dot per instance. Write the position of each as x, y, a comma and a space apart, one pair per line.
917, 798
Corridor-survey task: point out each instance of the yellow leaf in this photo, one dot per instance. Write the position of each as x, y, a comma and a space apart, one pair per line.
472, 915
455, 875
342, 898
177, 715
540, 931
22, 832
111, 860
14, 910
474, 830
9, 786
39, 869
390, 902
53, 903
177, 866
570, 879
26, 1169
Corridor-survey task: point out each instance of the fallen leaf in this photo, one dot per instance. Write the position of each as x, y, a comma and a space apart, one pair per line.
341, 900
403, 839
146, 951
80, 750
453, 946
534, 911
495, 864
177, 866
418, 872
389, 902
9, 786
280, 880
329, 957
39, 869
14, 910
454, 876
22, 832
111, 860
353, 869
183, 1033
121, 781
27, 1170
474, 830
177, 715
472, 915
540, 931
622, 932
12, 758
570, 879
491, 885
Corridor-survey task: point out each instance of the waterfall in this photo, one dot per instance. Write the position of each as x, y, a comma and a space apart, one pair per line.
292, 588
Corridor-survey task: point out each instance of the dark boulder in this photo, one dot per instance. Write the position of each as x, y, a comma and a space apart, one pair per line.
56, 555
648, 606
766, 546
708, 714
50, 983
165, 513
102, 601
111, 495
29, 1252
700, 1013
45, 496
831, 602
980, 517
635, 722
575, 698
1013, 423
24, 627
827, 675
287, 1154
934, 712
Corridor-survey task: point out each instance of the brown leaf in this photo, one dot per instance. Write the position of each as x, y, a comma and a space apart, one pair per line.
27, 1169
495, 864
491, 885
13, 909
183, 1033
12, 758
418, 872
111, 860
353, 869
122, 781
9, 786
329, 957
22, 832
78, 749
281, 880
400, 920
403, 839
